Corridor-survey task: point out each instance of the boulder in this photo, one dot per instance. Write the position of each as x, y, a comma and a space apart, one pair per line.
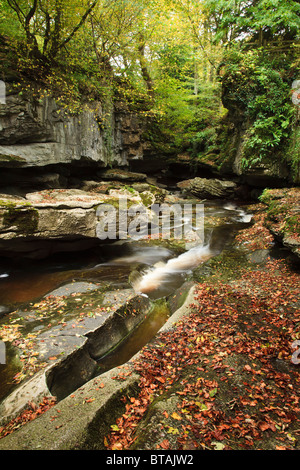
123, 175
46, 221
283, 216
68, 352
208, 188
49, 214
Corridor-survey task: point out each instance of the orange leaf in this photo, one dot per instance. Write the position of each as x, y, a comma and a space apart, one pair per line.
161, 379
176, 416
264, 426
165, 444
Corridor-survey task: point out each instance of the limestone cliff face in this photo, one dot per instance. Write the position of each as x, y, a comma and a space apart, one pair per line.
233, 136
234, 132
37, 132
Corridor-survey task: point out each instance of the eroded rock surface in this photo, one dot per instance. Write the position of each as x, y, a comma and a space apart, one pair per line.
60, 216
208, 188
37, 131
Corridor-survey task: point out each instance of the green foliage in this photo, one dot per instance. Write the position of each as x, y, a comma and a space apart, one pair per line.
209, 112
204, 141
261, 20
292, 225
254, 84
265, 196
293, 150
161, 60
279, 18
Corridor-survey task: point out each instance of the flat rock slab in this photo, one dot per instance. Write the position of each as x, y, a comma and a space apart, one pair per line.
59, 214
123, 175
65, 198
61, 340
73, 288
83, 419
68, 347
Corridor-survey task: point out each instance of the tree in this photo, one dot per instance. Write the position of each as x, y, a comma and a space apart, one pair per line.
49, 25
239, 20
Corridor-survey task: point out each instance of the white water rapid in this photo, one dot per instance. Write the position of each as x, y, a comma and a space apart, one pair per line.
160, 273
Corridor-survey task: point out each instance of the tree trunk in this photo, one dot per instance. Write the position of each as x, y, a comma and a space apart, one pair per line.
145, 72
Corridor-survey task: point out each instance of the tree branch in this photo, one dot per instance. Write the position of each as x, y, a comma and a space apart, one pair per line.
145, 72
14, 6
78, 26
31, 13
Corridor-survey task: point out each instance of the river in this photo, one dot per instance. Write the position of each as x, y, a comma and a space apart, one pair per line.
29, 280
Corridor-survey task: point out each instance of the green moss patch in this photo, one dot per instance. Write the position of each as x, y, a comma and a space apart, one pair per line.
23, 216
283, 212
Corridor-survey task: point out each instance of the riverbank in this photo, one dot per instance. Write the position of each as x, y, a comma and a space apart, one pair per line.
222, 377
227, 376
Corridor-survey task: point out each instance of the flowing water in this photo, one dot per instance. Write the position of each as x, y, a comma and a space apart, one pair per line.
161, 261
152, 267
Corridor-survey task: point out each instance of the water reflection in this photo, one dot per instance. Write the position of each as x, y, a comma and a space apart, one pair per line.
124, 260
136, 340
140, 255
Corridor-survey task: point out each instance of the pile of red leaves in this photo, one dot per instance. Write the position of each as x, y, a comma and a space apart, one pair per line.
31, 413
256, 237
230, 365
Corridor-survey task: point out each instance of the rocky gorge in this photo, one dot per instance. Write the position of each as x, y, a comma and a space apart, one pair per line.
57, 170
38, 131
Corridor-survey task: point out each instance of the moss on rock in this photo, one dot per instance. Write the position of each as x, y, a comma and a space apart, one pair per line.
20, 215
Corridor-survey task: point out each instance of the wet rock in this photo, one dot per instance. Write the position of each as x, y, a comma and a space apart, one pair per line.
4, 310
70, 349
73, 288
258, 256
81, 420
140, 187
85, 416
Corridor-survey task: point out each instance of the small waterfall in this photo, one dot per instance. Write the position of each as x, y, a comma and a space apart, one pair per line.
154, 278
164, 272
